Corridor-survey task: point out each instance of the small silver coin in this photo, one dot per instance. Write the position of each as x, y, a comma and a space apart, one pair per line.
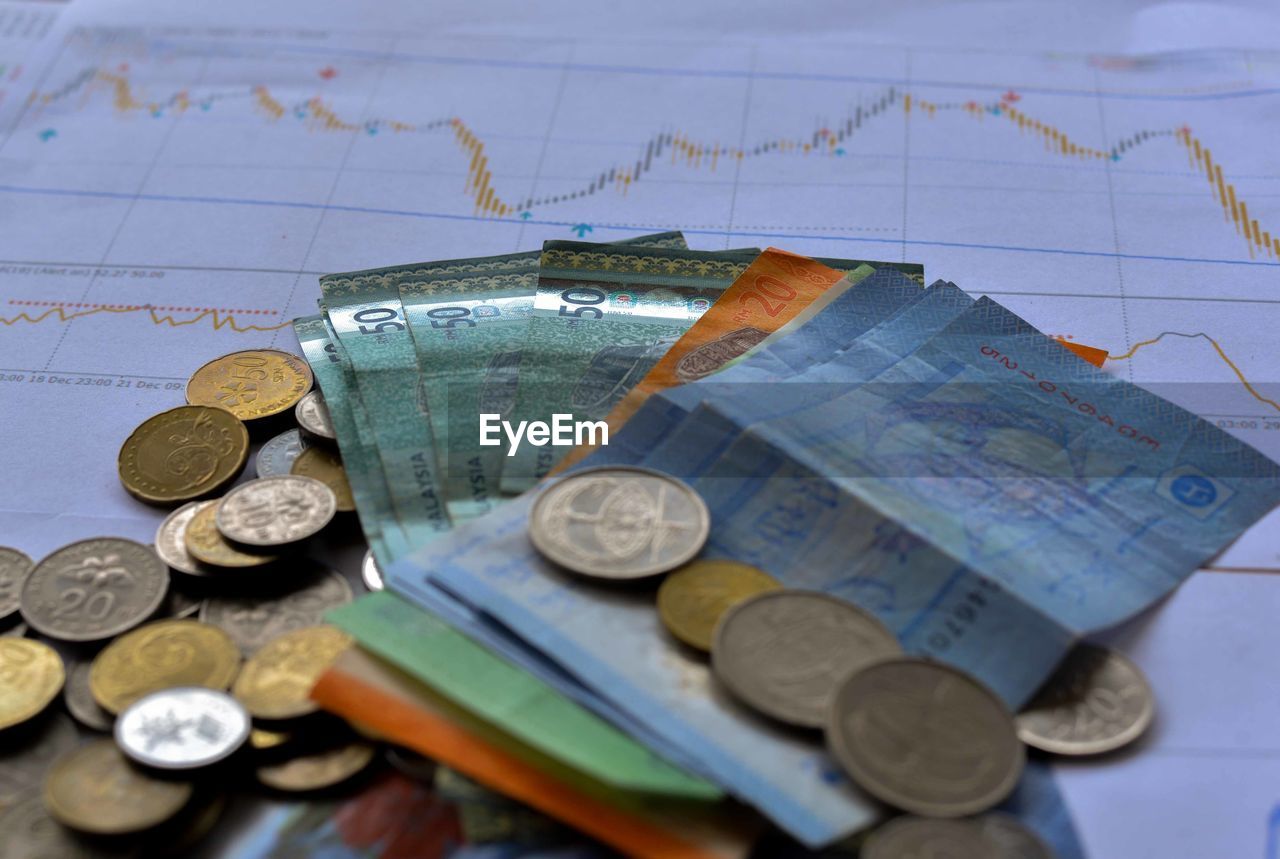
784, 652
179, 605
276, 511
924, 737
370, 572
171, 541
14, 566
277, 455
186, 727
1008, 838
253, 621
23, 763
94, 589
80, 702
909, 836
1097, 701
619, 523
312, 414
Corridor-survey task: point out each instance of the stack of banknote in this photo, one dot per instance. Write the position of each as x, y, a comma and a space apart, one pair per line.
985, 494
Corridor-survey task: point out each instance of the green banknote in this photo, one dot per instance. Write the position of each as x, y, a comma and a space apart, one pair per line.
509, 698
601, 319
364, 472
468, 319
365, 313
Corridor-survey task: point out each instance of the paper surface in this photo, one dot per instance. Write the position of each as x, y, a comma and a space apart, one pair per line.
144, 241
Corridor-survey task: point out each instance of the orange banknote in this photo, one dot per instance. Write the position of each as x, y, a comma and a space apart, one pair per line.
770, 293
374, 694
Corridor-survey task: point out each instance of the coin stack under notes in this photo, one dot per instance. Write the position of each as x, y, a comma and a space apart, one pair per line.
186, 666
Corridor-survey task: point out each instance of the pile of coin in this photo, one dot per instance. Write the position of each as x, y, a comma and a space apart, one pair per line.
190, 661
922, 737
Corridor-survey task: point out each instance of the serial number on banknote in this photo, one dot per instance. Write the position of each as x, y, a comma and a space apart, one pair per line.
1076, 403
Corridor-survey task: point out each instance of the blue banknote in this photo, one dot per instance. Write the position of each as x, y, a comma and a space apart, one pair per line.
989, 495
838, 325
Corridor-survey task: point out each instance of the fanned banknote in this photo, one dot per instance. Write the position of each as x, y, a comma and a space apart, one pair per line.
601, 319
468, 319
364, 472
365, 311
774, 291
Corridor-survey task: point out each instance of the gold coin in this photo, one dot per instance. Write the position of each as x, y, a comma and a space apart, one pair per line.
692, 600
255, 383
94, 789
182, 454
325, 465
261, 740
313, 772
31, 675
162, 655
276, 681
206, 544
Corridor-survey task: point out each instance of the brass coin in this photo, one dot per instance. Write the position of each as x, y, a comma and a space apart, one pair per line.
206, 544
31, 675
314, 772
25, 758
185, 453
692, 600
262, 740
95, 790
325, 465
276, 681
255, 383
162, 655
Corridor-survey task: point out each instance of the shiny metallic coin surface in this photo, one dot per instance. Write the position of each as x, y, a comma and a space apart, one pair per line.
206, 544
94, 589
277, 455
785, 652
182, 728
253, 621
275, 511
317, 771
31, 676
162, 655
171, 541
251, 384
79, 699
24, 761
924, 737
1096, 701
619, 523
312, 414
183, 454
908, 837
14, 566
692, 600
371, 573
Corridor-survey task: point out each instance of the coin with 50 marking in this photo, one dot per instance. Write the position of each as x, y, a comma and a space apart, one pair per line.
254, 383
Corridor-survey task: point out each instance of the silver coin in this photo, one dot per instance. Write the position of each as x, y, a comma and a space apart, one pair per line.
14, 566
94, 589
784, 652
80, 702
1008, 838
312, 414
1096, 701
253, 621
277, 455
28, 831
910, 837
619, 523
276, 511
171, 541
186, 727
370, 572
924, 737
26, 757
